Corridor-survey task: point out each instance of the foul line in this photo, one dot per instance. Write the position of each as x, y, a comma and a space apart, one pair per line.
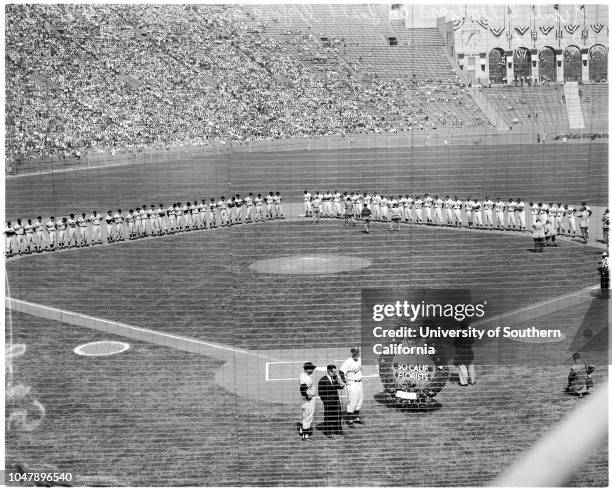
183, 343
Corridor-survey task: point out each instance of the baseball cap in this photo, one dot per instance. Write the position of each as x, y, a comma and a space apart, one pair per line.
354, 350
604, 254
309, 366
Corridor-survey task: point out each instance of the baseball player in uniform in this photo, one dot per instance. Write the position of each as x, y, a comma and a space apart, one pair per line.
178, 212
28, 228
118, 218
307, 393
137, 222
384, 208
82, 223
534, 209
376, 207
9, 233
171, 217
488, 215
229, 203
51, 227
408, 209
195, 215
278, 206
315, 207
248, 202
543, 212
109, 226
478, 214
238, 201
560, 217
40, 235
427, 203
351, 375
259, 208
307, 209
337, 207
269, 206
511, 207
19, 236
72, 228
223, 216
585, 213
438, 204
154, 220
62, 225
571, 221
520, 212
129, 219
457, 204
160, 219
327, 205
469, 214
418, 209
396, 216
201, 211
552, 214
448, 209
500, 206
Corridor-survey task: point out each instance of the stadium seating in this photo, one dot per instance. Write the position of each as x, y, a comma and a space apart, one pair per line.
538, 107
594, 101
84, 79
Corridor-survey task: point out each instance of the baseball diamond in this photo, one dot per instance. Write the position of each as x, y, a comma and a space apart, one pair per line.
200, 198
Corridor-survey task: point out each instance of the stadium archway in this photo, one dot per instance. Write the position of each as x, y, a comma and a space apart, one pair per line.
497, 66
572, 64
598, 63
548, 66
522, 63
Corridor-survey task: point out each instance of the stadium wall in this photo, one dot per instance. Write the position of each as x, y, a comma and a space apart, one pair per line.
458, 136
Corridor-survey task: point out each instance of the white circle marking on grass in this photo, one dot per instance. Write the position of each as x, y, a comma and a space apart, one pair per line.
101, 348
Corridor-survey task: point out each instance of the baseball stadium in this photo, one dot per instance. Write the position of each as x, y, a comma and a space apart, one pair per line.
202, 201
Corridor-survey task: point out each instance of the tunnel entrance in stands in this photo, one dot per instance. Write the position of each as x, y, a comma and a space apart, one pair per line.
548, 67
497, 66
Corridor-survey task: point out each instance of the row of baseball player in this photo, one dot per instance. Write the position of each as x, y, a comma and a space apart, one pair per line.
142, 222
437, 211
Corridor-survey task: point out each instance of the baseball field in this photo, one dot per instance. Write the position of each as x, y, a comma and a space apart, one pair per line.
207, 393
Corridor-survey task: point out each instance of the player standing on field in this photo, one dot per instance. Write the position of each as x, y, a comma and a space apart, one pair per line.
351, 375
520, 211
40, 235
19, 236
82, 223
9, 233
366, 213
488, 209
28, 228
457, 204
307, 393
307, 209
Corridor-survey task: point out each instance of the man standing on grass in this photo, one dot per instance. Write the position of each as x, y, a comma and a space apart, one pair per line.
329, 385
307, 393
351, 375
538, 235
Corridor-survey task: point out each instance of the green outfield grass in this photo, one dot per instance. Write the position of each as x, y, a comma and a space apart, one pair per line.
153, 416
199, 284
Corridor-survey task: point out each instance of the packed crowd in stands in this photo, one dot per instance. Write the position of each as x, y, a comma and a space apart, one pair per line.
83, 79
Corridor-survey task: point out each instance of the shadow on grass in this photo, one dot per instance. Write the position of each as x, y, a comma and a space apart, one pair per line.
386, 399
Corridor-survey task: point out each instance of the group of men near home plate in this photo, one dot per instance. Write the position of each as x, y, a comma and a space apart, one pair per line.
488, 214
351, 378
144, 221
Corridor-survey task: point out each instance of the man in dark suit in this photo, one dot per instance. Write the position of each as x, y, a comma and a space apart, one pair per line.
329, 385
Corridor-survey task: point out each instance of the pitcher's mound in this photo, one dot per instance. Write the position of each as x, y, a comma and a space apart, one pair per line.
312, 264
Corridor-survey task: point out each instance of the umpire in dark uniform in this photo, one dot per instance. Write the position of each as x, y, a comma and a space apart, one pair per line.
329, 385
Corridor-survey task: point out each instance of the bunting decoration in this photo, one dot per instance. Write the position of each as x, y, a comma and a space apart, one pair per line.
497, 31
597, 27
457, 24
522, 29
571, 28
546, 29
483, 23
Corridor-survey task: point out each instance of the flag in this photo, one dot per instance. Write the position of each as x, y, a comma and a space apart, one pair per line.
509, 10
582, 9
556, 7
